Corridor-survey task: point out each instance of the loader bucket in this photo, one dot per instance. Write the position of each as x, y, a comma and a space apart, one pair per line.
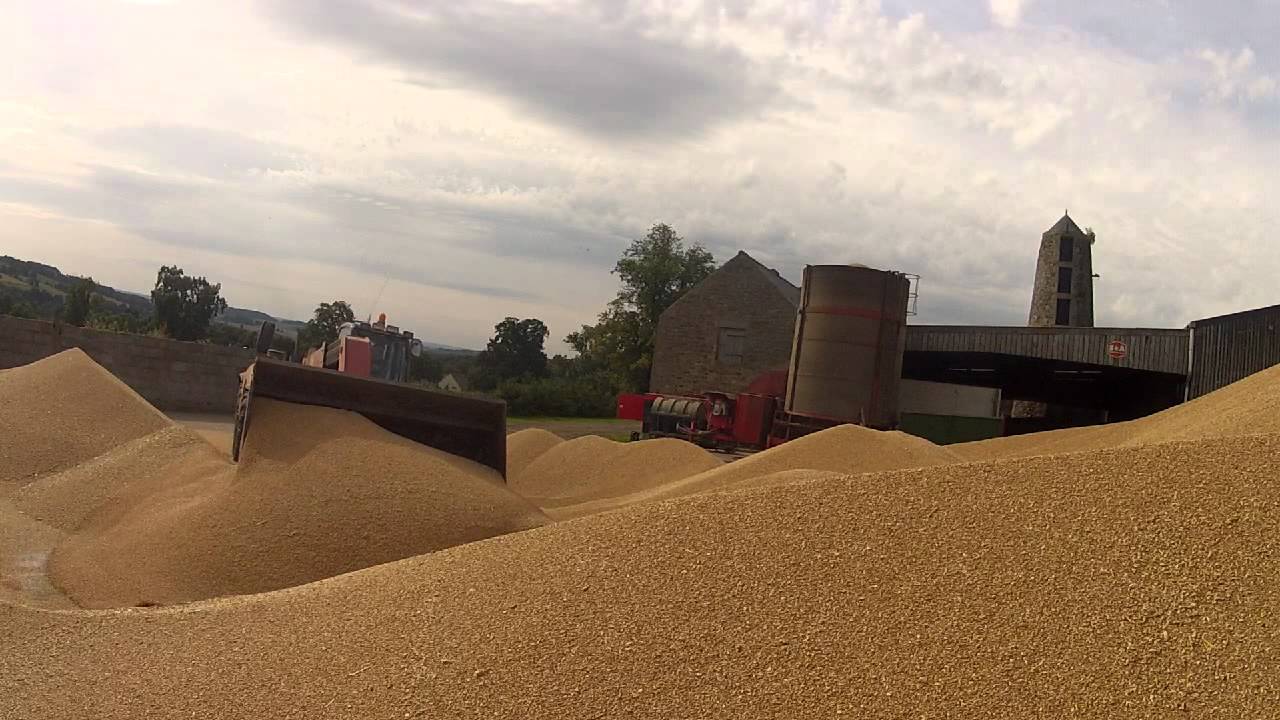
474, 428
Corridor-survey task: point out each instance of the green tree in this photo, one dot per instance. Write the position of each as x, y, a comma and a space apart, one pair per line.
231, 335
426, 368
75, 309
655, 271
514, 352
16, 307
185, 306
126, 321
324, 324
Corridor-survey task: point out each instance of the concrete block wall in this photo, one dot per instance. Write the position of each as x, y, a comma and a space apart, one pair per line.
739, 294
172, 375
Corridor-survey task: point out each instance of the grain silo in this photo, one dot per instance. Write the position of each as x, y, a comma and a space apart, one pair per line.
846, 358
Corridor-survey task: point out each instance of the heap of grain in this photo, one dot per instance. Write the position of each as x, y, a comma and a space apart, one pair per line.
525, 446
63, 410
318, 492
120, 479
1137, 582
844, 449
1248, 407
592, 468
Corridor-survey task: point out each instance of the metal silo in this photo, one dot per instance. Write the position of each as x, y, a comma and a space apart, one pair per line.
846, 356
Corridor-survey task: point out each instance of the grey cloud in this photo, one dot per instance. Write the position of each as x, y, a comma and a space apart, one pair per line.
499, 230
602, 75
200, 151
344, 226
953, 15
398, 271
1150, 29
106, 193
1168, 28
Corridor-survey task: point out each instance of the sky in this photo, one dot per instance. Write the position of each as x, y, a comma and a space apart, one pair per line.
451, 164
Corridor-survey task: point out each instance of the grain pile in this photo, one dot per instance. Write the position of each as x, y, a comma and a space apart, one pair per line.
1248, 407
120, 478
25, 545
63, 410
1137, 582
592, 468
844, 449
525, 446
318, 492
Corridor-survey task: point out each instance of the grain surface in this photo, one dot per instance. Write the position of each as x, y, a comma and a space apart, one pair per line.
591, 468
525, 446
1129, 583
120, 478
847, 449
63, 410
1130, 575
318, 492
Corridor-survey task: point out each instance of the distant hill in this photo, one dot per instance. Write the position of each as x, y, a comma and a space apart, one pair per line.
44, 288
252, 320
438, 348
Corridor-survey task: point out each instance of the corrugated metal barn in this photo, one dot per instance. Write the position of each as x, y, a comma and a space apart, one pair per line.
1228, 348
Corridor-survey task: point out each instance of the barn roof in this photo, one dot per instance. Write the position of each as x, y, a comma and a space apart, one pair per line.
789, 291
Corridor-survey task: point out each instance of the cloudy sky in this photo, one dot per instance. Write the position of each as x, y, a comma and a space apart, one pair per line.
453, 163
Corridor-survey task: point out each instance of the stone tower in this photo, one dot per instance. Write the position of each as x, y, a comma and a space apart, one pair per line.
1063, 290
1062, 295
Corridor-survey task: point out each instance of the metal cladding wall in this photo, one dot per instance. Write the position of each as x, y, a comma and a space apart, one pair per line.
846, 357
1228, 348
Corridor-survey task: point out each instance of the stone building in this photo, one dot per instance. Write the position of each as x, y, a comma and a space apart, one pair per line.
1061, 296
726, 330
1063, 291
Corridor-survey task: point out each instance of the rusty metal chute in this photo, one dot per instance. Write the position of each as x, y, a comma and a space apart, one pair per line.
469, 427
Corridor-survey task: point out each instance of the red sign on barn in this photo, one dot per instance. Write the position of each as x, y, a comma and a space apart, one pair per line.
1117, 350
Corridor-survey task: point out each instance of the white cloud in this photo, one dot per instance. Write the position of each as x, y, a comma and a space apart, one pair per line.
1236, 77
1007, 13
294, 166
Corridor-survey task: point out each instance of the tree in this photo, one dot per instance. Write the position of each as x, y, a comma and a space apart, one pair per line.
16, 308
185, 306
324, 324
655, 271
125, 321
514, 352
426, 368
75, 310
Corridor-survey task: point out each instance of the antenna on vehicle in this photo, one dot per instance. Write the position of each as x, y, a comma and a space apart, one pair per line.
377, 298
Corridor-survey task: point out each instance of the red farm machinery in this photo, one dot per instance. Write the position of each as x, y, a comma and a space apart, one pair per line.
845, 367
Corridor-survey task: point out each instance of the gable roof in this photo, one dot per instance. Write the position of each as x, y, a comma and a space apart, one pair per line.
789, 291
458, 380
1065, 226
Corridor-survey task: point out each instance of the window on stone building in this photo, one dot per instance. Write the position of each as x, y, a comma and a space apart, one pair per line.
730, 345
1064, 312
1066, 249
1064, 280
